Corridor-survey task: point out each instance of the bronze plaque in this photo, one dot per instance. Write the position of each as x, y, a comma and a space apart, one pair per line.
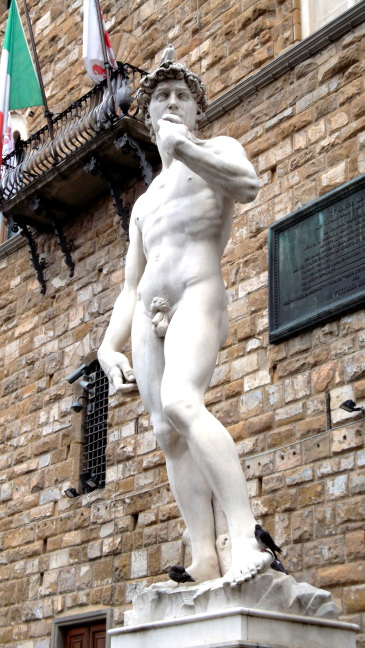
317, 261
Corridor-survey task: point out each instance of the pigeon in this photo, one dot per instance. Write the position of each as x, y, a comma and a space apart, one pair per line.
278, 566
168, 54
265, 540
178, 574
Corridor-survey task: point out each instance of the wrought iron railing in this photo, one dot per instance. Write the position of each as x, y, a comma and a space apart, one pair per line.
73, 128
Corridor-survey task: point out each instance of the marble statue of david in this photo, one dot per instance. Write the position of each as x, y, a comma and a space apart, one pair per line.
173, 304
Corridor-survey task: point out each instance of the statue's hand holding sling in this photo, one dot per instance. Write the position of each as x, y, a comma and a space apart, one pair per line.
172, 132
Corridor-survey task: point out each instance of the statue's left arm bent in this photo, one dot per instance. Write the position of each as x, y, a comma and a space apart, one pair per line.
222, 161
114, 363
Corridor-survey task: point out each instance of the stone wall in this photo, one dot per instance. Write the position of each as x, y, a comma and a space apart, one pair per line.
222, 40
304, 457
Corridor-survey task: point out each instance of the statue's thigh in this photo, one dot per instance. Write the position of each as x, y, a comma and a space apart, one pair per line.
148, 361
192, 343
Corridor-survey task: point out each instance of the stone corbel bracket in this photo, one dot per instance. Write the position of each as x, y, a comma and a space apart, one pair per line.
95, 167
37, 262
126, 143
39, 206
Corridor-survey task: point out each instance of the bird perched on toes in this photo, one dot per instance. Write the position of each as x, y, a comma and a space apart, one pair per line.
178, 574
265, 540
278, 566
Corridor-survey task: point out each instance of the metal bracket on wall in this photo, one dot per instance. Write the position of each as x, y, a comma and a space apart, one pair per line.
39, 206
37, 262
95, 167
126, 143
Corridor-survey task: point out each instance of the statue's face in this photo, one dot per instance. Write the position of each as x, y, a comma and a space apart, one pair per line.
172, 98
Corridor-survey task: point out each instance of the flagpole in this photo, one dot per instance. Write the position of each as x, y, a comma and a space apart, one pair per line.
106, 60
47, 112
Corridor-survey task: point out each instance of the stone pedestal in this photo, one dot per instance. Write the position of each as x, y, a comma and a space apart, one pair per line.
271, 611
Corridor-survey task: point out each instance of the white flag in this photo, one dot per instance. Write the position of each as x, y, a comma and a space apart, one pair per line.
92, 51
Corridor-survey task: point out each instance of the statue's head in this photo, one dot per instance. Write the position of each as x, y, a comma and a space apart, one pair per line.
167, 70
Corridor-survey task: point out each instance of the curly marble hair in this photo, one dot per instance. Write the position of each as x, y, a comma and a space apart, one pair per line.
170, 70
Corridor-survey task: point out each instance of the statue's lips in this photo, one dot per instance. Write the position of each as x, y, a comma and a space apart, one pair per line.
175, 119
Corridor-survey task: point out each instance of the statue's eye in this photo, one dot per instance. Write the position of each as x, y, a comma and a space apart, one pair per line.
183, 96
161, 96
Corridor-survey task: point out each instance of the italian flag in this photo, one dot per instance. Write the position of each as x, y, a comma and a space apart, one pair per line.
19, 86
92, 44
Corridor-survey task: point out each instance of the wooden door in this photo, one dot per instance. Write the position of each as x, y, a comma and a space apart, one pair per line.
77, 638
92, 636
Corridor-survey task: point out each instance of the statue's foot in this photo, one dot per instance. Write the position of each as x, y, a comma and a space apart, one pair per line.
249, 562
204, 570
201, 571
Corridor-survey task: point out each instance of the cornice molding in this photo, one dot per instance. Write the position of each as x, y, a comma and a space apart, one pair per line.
298, 53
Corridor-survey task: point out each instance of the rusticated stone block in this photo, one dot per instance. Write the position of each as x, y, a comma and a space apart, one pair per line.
337, 487
137, 536
149, 536
325, 520
355, 544
339, 63
323, 376
297, 387
103, 570
154, 560
326, 550
359, 390
299, 475
287, 501
252, 404
351, 510
348, 437
354, 599
350, 573
122, 566
288, 458
168, 512
260, 424
259, 466
314, 449
355, 367
251, 446
273, 482
67, 580
311, 494
289, 414
302, 525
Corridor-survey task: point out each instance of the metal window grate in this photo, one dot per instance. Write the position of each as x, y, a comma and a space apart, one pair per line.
95, 424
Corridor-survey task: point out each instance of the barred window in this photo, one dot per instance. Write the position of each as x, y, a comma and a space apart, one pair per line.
95, 428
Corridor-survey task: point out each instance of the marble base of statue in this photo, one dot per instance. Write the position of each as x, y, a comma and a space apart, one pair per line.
270, 611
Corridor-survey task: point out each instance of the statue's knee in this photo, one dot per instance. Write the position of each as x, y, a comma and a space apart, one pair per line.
165, 435
180, 412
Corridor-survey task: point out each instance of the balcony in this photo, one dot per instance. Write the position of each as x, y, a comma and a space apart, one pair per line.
98, 143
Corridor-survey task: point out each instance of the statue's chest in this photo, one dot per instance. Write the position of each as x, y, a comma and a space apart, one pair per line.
171, 195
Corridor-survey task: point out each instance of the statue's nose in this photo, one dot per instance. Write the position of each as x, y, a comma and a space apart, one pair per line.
172, 102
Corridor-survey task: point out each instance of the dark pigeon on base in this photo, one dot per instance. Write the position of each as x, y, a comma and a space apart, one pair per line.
178, 574
265, 540
278, 566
